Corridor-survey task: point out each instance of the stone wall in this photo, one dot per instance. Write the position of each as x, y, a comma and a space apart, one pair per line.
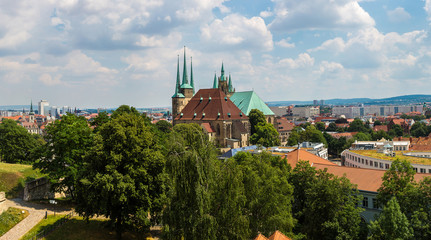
38, 189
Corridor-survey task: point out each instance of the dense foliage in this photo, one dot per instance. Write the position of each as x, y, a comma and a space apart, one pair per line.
17, 145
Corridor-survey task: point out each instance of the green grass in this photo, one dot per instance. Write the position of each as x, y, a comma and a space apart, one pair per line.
10, 218
77, 228
14, 176
42, 225
399, 155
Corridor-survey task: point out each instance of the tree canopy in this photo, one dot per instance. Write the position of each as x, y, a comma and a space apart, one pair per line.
255, 117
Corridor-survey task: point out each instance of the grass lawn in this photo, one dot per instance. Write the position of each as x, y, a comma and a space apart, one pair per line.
77, 228
10, 218
14, 176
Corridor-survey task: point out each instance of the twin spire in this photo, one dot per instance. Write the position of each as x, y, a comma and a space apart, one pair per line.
185, 82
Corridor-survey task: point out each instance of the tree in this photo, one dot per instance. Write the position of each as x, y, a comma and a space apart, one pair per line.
311, 134
293, 137
98, 121
265, 135
191, 167
341, 120
332, 127
419, 129
320, 126
360, 136
379, 135
391, 224
67, 142
255, 117
398, 182
358, 126
17, 145
123, 176
396, 131
124, 109
324, 205
164, 126
377, 123
268, 193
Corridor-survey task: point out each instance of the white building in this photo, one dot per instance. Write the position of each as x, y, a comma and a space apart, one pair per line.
43, 104
305, 112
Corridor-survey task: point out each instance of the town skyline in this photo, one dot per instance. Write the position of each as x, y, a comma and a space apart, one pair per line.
107, 54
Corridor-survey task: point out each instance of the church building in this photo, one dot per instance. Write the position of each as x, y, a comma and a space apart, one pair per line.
225, 121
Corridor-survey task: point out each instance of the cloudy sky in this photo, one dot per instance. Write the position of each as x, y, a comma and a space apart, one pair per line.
103, 53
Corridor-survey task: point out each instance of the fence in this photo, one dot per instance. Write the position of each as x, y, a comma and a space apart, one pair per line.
51, 228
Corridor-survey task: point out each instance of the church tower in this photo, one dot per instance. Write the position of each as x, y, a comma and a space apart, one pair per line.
31, 113
185, 91
224, 83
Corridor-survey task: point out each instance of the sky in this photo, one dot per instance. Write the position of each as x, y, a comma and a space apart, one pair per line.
104, 53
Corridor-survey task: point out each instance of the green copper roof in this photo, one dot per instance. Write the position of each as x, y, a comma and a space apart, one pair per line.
222, 77
246, 101
177, 85
191, 75
230, 87
185, 83
215, 81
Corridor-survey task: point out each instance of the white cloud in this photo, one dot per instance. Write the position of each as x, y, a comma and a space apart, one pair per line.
48, 80
265, 14
303, 60
397, 15
238, 31
79, 63
291, 15
285, 43
427, 8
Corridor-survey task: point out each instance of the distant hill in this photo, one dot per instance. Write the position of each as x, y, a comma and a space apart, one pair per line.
399, 100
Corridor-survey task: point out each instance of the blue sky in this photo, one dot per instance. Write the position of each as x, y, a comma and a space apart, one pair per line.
104, 53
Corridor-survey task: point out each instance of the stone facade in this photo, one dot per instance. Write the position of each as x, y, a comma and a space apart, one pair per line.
38, 189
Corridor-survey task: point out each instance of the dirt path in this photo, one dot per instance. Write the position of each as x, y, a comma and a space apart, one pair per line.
36, 213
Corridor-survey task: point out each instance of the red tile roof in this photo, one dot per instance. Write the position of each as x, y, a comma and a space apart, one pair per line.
347, 135
210, 104
380, 127
284, 125
297, 155
365, 179
277, 235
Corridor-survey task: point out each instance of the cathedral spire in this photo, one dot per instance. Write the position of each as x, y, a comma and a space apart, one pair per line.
177, 85
230, 87
185, 77
215, 81
31, 106
191, 75
222, 72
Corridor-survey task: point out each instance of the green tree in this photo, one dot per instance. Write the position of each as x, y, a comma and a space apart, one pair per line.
399, 182
377, 123
379, 135
67, 142
324, 205
396, 131
360, 136
123, 176
311, 134
17, 145
332, 127
124, 109
255, 117
268, 193
293, 137
391, 224
98, 121
164, 126
419, 129
265, 135
320, 126
358, 126
191, 166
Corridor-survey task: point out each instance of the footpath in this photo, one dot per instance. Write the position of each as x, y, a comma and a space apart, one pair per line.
36, 213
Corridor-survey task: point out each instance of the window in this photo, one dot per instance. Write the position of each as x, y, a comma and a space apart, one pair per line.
381, 165
365, 202
386, 166
371, 163
416, 169
362, 161
375, 204
376, 164
429, 170
423, 170
366, 162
